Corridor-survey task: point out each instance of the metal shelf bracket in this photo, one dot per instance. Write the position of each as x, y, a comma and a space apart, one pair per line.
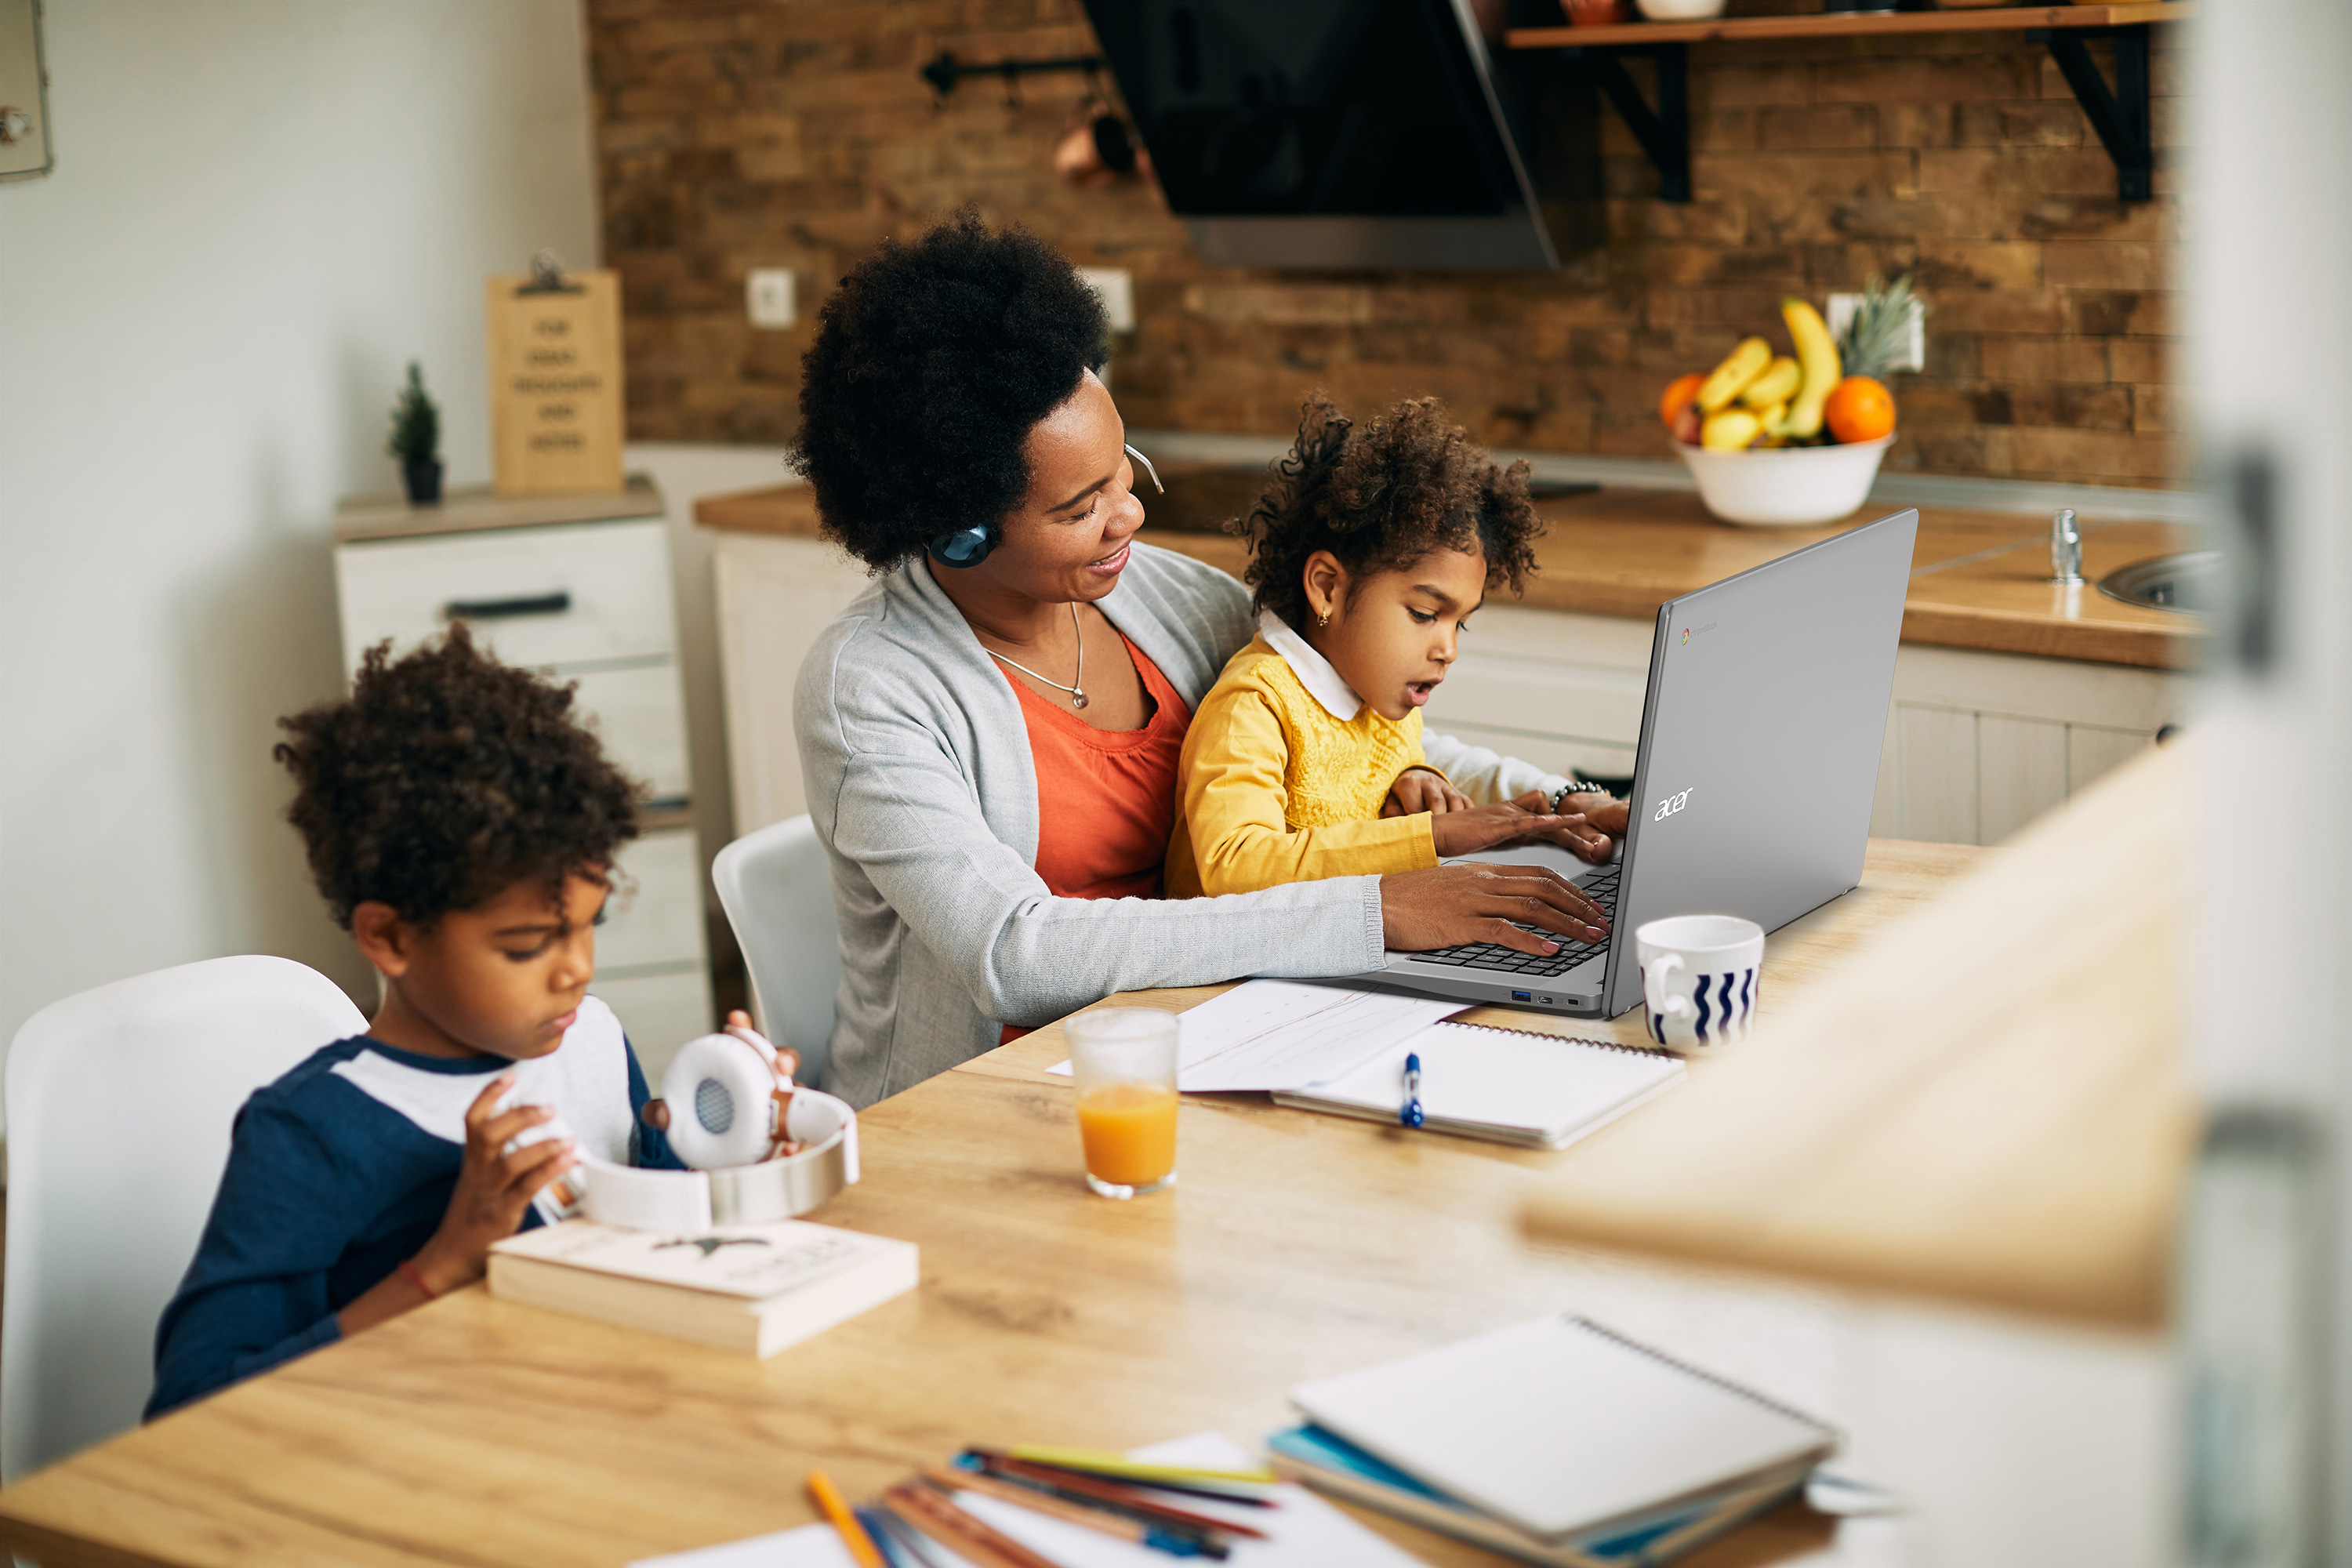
2120, 117
1664, 134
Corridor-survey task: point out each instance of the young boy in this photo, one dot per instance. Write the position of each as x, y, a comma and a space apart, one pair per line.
462, 826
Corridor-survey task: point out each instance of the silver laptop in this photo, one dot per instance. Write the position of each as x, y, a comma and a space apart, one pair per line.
1758, 757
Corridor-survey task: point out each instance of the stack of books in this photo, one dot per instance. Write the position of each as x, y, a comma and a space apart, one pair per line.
1557, 1442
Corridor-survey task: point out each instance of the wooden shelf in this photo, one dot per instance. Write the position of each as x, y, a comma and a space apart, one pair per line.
2006, 19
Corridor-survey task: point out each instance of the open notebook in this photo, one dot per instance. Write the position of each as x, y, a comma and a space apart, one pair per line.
1540, 1092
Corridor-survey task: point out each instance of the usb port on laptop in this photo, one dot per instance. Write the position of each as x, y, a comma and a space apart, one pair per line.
1522, 996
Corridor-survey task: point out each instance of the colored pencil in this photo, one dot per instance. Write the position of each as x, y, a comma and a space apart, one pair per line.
853, 1534
1176, 1543
1114, 1494
905, 1536
928, 1510
1102, 1462
894, 1556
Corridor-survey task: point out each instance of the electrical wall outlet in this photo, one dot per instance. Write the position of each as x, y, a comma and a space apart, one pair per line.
769, 298
1116, 286
1841, 314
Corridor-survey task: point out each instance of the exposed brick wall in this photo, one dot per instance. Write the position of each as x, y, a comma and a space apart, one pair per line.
741, 133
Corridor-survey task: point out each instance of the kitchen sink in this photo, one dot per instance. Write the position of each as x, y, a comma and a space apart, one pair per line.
2189, 581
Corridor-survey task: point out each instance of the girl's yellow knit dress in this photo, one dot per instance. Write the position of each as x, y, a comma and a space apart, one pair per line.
1273, 787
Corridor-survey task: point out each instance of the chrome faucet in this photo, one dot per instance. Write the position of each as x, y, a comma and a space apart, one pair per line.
2066, 548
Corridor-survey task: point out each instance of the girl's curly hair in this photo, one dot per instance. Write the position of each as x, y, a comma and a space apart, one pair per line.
1381, 498
447, 777
933, 360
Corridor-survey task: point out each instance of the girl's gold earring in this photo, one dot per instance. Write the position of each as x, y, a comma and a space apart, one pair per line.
1322, 619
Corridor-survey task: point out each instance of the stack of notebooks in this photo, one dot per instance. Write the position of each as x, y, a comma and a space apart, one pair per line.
1556, 1442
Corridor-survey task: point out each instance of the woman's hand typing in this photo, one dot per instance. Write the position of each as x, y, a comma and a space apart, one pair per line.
1447, 905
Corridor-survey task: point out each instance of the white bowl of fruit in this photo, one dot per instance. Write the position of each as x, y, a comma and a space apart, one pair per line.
1781, 441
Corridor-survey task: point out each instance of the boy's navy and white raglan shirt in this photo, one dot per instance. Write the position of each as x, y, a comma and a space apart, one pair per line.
344, 1167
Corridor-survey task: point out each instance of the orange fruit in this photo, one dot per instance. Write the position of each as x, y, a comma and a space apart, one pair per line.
1860, 409
1680, 395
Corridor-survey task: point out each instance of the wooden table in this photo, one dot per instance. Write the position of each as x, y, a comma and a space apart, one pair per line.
480, 1432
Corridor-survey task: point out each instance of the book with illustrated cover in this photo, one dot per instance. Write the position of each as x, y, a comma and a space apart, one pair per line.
753, 1289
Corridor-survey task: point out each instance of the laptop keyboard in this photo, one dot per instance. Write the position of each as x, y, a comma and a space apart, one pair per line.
1487, 956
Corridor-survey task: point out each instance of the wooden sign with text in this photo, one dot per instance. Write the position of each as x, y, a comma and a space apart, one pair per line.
556, 418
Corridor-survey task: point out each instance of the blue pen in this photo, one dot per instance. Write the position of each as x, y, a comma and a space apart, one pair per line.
1411, 1115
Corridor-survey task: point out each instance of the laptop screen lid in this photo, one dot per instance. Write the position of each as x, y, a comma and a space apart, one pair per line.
1761, 731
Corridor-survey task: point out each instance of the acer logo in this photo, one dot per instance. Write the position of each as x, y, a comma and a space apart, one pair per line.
1672, 804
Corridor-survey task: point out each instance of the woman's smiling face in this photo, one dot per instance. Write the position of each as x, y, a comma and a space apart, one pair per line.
1067, 538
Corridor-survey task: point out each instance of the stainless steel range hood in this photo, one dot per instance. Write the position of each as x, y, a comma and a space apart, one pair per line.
1342, 134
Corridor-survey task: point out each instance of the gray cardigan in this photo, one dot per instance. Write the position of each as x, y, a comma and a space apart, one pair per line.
924, 793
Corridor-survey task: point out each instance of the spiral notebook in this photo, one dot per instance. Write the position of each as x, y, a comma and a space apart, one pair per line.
1509, 1085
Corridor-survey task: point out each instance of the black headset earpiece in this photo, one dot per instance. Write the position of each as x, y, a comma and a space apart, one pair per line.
965, 546
969, 546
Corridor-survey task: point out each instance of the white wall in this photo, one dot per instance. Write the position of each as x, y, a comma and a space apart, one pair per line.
261, 210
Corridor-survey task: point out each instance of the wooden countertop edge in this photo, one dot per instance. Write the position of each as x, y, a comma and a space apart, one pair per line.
789, 512
1850, 1142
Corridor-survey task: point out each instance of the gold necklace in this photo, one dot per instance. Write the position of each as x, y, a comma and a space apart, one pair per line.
1078, 695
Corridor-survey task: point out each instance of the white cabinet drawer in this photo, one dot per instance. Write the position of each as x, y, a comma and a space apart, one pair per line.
660, 1011
640, 715
655, 913
539, 596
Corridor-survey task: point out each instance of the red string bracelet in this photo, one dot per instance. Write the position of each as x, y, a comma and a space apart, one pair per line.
408, 1272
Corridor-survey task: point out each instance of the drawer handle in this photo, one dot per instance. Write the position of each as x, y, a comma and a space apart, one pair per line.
553, 604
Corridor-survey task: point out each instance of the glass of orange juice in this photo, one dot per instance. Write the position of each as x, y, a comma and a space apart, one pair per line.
1124, 1059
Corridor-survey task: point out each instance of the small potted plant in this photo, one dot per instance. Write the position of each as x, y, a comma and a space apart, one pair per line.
416, 440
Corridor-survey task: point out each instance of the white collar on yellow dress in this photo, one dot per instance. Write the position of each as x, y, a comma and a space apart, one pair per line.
1313, 671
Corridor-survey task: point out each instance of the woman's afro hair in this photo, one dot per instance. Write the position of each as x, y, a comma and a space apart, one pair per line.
933, 363
445, 778
1379, 498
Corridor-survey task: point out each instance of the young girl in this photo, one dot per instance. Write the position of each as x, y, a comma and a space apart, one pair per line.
1368, 551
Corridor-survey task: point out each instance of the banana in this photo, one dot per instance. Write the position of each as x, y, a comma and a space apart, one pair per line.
1769, 418
1731, 377
1817, 355
1730, 430
1775, 385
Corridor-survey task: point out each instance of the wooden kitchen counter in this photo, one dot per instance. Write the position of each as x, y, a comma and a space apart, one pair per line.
1977, 578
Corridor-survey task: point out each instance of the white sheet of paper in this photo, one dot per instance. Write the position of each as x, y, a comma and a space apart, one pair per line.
810, 1546
1283, 1034
1307, 1531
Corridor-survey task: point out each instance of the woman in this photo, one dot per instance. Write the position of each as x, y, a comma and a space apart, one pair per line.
989, 734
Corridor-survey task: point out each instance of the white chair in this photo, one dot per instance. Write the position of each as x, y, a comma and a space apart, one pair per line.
119, 1104
776, 886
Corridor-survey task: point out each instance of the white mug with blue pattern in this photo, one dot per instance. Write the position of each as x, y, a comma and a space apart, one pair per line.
1699, 978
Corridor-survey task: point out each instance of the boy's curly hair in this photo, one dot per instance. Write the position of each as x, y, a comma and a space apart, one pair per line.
933, 363
447, 777
1381, 498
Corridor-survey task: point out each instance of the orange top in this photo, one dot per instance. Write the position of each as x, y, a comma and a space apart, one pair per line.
1106, 798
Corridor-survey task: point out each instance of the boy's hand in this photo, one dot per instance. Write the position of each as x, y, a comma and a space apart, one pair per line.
1511, 821
656, 1114
494, 1187
1421, 789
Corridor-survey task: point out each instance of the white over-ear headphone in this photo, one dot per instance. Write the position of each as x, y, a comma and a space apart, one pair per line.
728, 1095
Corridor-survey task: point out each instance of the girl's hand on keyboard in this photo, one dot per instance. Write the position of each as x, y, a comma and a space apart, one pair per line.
1588, 838
1491, 827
